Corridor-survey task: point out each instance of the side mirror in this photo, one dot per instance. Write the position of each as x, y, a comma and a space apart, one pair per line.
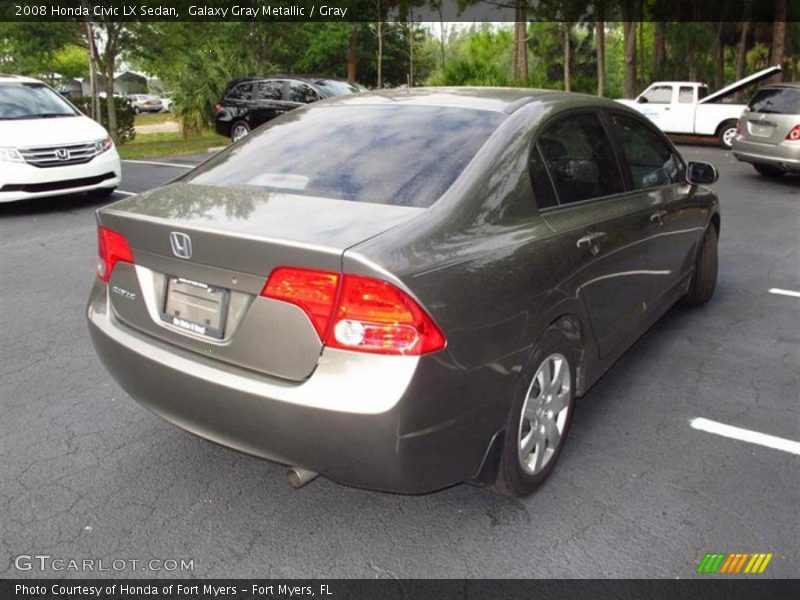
642, 100
701, 173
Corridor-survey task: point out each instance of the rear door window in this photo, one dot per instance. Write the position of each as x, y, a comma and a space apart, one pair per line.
243, 91
270, 89
652, 162
686, 94
783, 101
580, 159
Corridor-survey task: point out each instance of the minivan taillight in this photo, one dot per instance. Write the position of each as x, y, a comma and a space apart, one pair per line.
112, 247
217, 109
357, 313
794, 134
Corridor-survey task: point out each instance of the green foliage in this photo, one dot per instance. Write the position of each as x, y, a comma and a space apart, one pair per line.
71, 61
124, 113
478, 56
40, 49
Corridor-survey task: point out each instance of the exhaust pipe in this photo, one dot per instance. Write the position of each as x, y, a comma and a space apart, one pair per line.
299, 477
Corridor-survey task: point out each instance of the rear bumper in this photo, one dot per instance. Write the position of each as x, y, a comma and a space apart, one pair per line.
21, 181
785, 155
223, 127
411, 446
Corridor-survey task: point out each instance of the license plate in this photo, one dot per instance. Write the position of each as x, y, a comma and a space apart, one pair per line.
195, 306
761, 130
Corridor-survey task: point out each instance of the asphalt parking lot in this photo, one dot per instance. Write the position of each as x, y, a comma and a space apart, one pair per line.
87, 473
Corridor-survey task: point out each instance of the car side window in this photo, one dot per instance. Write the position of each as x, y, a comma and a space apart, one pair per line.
652, 162
658, 94
301, 92
269, 89
579, 158
686, 94
543, 191
243, 91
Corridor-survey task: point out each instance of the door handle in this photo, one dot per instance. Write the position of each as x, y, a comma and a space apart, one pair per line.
658, 217
589, 241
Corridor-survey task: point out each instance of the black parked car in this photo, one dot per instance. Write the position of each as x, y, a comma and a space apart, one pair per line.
248, 103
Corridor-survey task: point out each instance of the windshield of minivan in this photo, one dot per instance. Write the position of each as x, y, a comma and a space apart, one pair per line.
31, 101
399, 155
782, 101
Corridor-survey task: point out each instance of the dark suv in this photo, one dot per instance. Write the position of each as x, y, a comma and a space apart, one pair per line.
248, 103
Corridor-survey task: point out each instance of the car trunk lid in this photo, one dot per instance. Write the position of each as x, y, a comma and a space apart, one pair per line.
206, 252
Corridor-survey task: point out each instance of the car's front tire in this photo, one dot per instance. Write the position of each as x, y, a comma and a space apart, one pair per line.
540, 416
769, 171
704, 278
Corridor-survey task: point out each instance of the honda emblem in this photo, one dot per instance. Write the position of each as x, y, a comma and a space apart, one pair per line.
181, 244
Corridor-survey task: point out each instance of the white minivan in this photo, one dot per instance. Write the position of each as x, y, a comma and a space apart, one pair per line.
48, 147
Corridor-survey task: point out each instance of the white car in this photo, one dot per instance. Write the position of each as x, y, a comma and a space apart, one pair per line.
687, 107
48, 147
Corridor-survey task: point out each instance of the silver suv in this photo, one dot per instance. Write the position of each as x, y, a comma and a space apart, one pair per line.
768, 134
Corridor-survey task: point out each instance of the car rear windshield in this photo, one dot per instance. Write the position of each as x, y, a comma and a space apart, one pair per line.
784, 101
31, 101
400, 155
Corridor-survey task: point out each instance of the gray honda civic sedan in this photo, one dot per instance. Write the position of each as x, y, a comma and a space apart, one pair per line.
403, 290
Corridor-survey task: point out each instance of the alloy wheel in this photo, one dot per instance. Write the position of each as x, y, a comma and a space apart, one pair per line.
239, 131
544, 414
728, 135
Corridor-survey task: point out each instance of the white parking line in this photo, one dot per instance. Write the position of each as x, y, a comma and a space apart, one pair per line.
781, 292
160, 164
124, 193
746, 435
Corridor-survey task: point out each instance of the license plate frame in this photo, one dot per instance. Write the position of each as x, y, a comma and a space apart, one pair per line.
204, 306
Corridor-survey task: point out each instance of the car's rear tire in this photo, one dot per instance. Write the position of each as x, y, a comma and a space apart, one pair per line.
769, 171
704, 278
540, 416
726, 132
136, 110
239, 130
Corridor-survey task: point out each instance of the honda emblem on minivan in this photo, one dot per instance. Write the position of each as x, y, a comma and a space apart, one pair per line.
181, 244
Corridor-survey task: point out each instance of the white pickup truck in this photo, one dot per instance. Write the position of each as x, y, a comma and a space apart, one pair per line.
687, 107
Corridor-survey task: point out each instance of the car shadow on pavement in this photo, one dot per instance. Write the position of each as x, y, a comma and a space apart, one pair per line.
52, 204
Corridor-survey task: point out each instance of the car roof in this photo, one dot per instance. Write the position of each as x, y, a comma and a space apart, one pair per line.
505, 100
17, 79
311, 79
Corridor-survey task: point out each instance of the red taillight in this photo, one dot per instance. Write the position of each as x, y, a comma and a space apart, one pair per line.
112, 247
217, 108
739, 127
313, 291
368, 315
794, 134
